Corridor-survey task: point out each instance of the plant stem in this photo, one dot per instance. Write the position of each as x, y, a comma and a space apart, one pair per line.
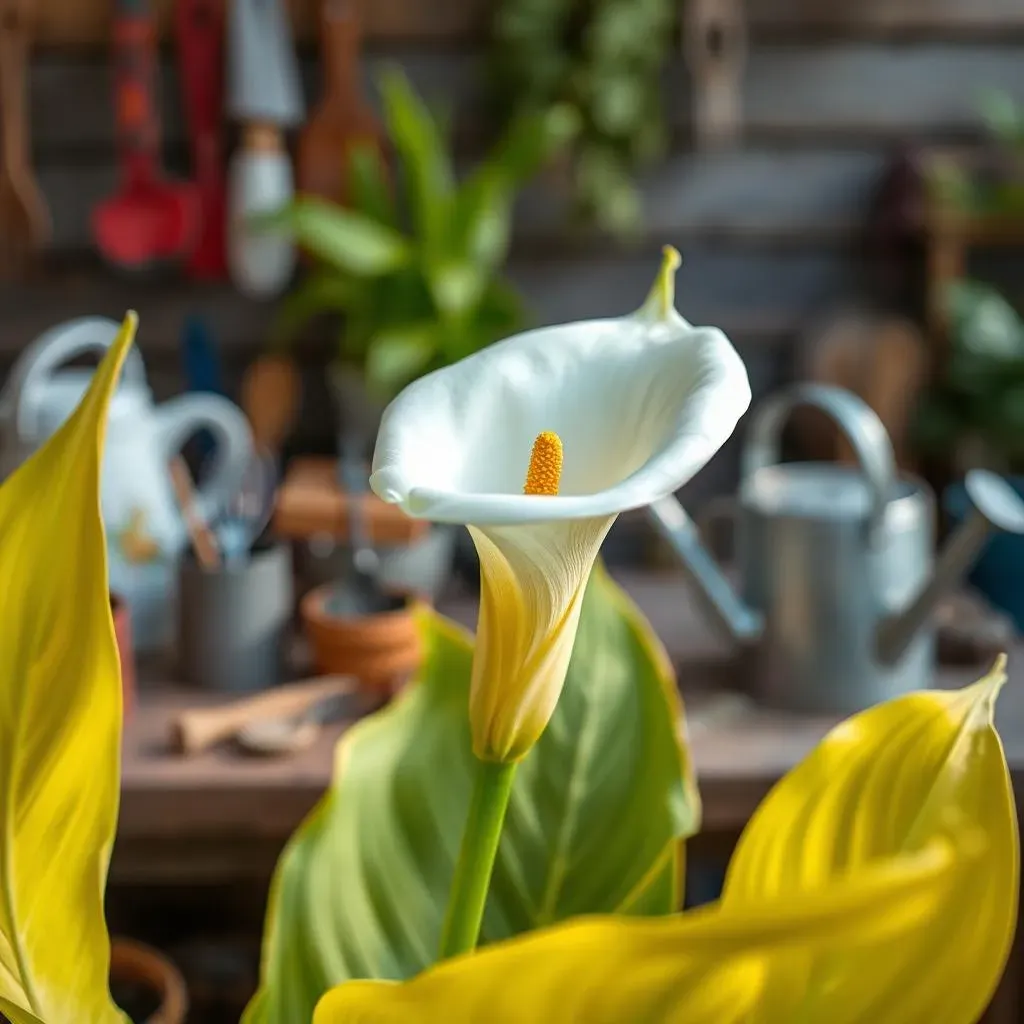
491, 791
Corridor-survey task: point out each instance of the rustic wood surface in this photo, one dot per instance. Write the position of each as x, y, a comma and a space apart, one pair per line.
59, 22
220, 819
739, 750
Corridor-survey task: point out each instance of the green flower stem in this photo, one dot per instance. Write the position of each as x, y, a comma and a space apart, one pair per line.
491, 792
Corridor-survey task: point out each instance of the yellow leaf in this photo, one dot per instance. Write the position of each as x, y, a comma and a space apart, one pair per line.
708, 966
60, 723
883, 784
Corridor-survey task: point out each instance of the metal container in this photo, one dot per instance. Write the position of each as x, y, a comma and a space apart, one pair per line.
233, 623
836, 568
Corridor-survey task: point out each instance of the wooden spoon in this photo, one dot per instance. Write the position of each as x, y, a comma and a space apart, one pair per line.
205, 547
343, 119
270, 399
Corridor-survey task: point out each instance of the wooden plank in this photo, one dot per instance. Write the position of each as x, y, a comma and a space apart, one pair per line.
63, 23
736, 756
789, 286
832, 91
769, 287
87, 22
917, 91
783, 197
758, 195
881, 17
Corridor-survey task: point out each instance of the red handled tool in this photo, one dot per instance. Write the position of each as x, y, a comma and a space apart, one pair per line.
199, 26
149, 220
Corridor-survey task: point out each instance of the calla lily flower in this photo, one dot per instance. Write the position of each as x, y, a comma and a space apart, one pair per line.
536, 444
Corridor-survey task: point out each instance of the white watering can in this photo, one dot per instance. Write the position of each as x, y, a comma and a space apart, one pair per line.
145, 530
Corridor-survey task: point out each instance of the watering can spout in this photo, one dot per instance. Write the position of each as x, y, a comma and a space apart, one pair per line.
714, 591
997, 506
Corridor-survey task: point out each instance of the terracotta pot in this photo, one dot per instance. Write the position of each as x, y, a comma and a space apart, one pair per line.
381, 649
125, 651
148, 976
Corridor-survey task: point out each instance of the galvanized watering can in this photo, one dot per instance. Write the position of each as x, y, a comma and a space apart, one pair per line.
836, 569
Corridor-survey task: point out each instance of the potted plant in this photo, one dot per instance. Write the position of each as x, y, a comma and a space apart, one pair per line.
973, 415
414, 268
414, 273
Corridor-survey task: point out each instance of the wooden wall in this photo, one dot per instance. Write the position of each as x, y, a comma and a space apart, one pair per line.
771, 234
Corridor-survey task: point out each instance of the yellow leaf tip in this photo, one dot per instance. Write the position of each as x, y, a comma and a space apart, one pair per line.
986, 690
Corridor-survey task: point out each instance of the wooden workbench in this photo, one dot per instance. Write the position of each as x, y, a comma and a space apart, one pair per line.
178, 813
222, 818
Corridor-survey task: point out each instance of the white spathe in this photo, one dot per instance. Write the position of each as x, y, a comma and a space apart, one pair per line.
640, 403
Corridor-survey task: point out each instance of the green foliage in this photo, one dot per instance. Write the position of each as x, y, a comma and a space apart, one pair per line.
605, 59
417, 276
996, 184
980, 397
596, 815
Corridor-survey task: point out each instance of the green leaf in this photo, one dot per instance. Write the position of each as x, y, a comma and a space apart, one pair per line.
531, 140
596, 814
1001, 116
322, 293
482, 216
346, 240
456, 286
482, 221
425, 160
399, 355
369, 186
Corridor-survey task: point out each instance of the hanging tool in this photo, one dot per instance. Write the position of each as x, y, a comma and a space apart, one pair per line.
715, 43
265, 97
199, 26
25, 226
149, 221
343, 119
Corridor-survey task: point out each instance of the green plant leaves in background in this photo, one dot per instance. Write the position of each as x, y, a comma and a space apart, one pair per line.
370, 187
425, 159
418, 249
348, 241
396, 355
596, 814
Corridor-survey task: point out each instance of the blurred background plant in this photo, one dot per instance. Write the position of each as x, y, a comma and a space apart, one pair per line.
996, 182
604, 58
415, 269
975, 411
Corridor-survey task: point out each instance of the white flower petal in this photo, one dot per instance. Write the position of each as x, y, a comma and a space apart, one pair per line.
640, 406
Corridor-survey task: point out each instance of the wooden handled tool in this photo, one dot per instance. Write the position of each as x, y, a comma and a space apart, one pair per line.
205, 547
715, 38
25, 226
343, 119
198, 729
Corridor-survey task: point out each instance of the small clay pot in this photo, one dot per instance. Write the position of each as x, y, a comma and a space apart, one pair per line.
145, 983
125, 651
381, 649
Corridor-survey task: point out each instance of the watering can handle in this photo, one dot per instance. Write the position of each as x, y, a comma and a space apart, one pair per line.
53, 349
182, 417
854, 417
